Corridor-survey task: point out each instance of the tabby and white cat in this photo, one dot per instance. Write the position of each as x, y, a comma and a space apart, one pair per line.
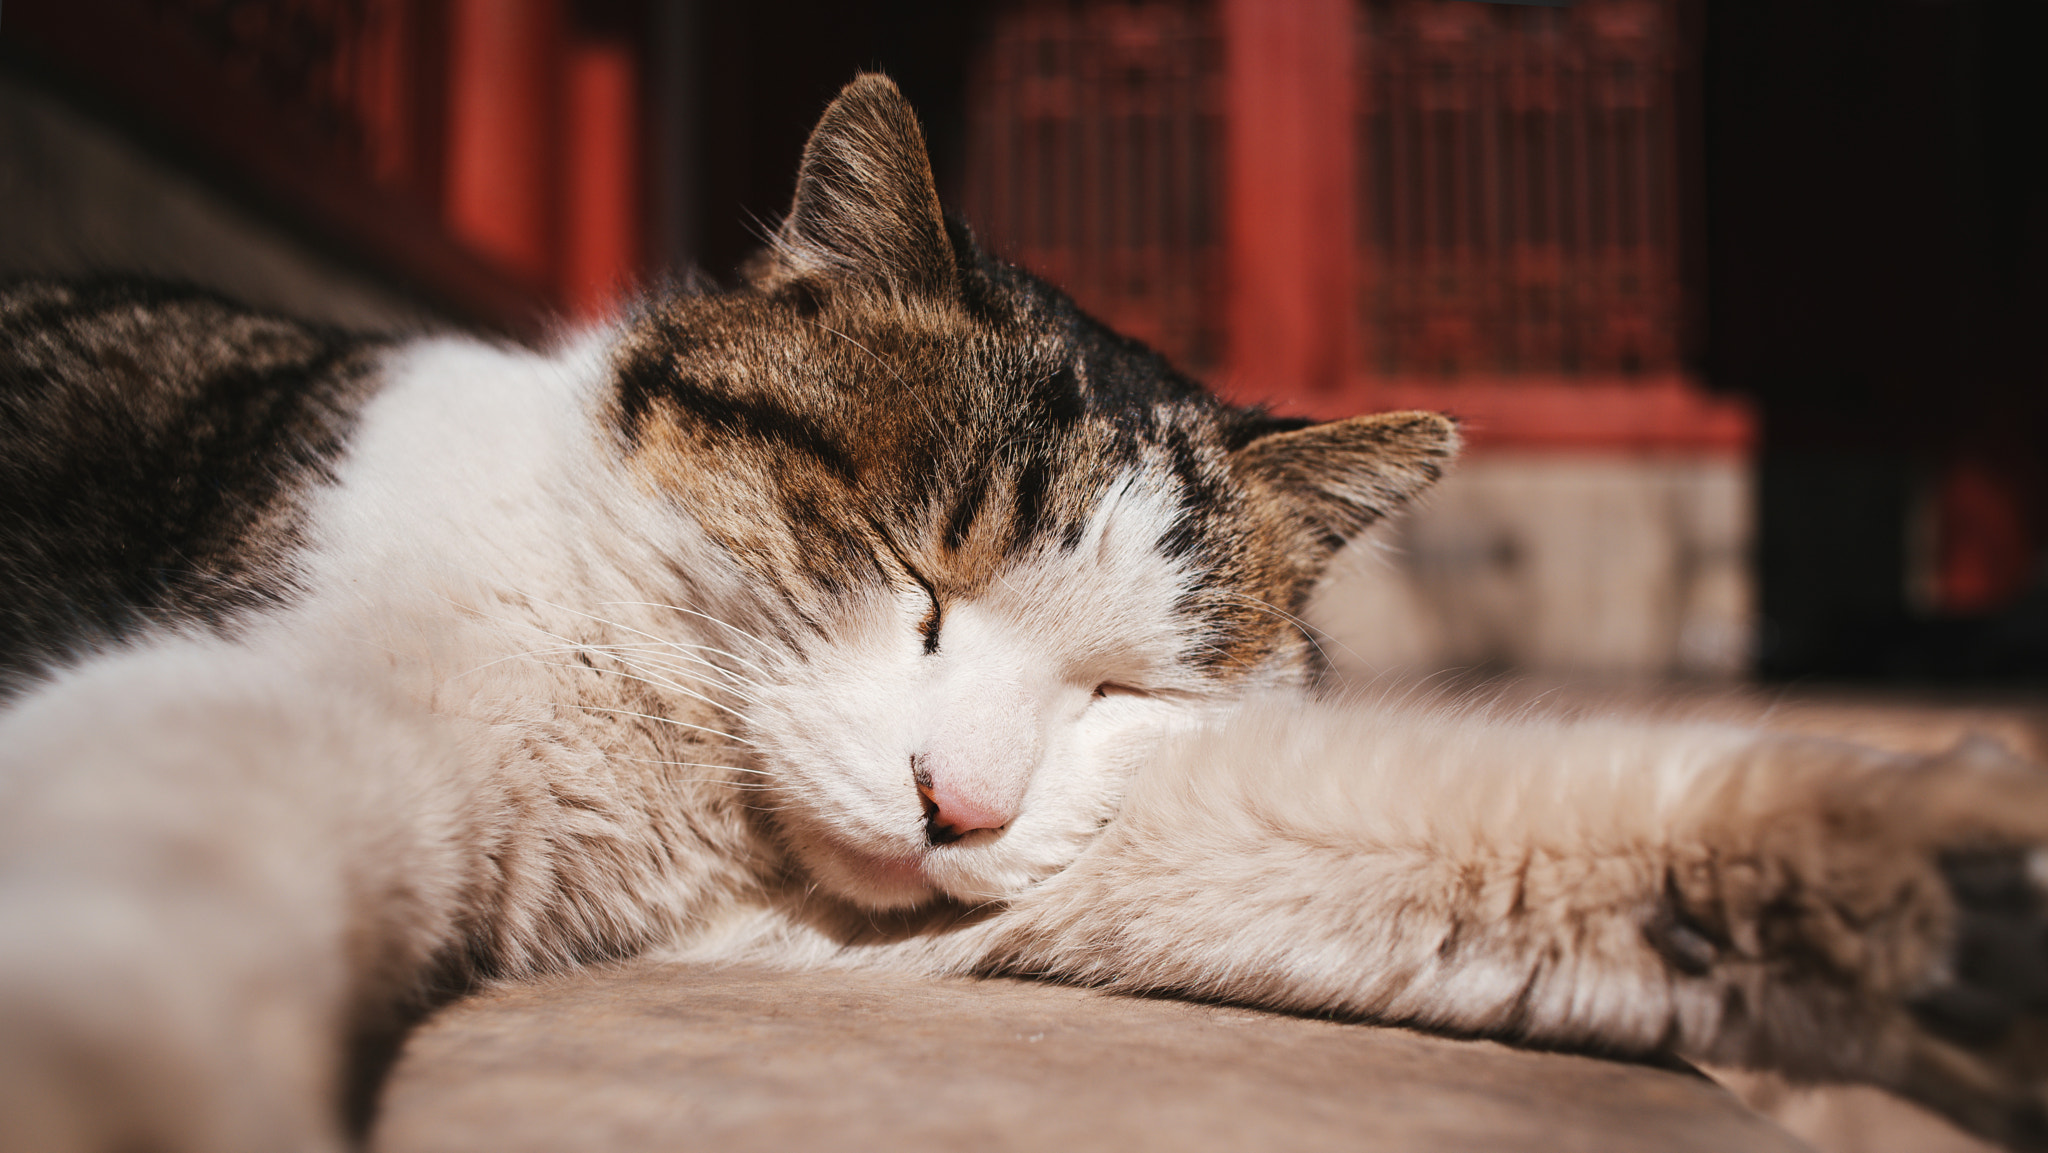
886, 611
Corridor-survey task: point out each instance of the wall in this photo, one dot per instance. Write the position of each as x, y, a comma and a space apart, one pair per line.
79, 198
1604, 565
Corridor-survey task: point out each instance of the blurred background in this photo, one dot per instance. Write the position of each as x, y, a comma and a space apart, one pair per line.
1740, 302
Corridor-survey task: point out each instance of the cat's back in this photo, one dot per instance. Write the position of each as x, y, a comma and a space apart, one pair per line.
157, 446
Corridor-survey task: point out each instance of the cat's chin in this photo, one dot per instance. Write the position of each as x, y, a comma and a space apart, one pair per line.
873, 880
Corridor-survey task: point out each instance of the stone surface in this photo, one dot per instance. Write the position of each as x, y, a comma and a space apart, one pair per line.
80, 198
656, 1057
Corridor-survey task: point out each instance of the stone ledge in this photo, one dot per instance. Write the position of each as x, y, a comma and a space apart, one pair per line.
649, 1057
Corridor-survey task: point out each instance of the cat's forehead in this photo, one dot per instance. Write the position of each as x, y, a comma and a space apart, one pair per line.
908, 393
837, 444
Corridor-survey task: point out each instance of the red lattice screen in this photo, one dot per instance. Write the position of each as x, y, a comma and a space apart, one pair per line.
1513, 249
1516, 174
1093, 137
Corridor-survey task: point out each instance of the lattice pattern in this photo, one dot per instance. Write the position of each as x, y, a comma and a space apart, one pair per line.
1516, 181
1094, 131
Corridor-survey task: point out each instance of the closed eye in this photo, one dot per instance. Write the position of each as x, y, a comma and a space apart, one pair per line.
928, 626
1114, 689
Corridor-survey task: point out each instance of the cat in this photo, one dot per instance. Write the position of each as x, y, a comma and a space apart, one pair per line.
885, 610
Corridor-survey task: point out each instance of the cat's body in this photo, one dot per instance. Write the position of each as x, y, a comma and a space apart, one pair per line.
887, 611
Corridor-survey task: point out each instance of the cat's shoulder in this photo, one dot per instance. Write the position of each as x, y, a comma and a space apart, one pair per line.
158, 340
157, 441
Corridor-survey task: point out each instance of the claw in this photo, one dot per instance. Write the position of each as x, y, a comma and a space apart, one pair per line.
1685, 945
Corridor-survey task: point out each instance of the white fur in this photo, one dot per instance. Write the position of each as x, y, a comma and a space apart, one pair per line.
1005, 709
525, 708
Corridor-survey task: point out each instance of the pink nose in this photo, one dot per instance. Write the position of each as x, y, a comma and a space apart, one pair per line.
950, 815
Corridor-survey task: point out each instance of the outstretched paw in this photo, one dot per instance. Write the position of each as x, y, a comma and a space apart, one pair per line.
1882, 919
1983, 1056
1998, 962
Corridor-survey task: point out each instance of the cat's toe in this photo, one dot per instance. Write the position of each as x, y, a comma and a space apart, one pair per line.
1983, 1053
1997, 968
1999, 953
1993, 880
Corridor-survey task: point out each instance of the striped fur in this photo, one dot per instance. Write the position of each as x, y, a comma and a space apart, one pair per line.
158, 441
886, 610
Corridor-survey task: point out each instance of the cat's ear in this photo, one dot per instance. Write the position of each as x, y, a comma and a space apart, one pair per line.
1341, 478
866, 209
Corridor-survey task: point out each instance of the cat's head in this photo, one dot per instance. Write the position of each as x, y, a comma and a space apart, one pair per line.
986, 550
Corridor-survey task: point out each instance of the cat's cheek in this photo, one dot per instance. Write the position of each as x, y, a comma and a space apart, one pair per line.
1120, 733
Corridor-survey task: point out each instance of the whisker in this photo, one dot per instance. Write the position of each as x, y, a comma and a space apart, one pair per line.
661, 683
661, 721
731, 684
1308, 634
599, 619
693, 765
644, 633
728, 625
518, 656
613, 652
1226, 654
569, 644
663, 674
667, 648
683, 648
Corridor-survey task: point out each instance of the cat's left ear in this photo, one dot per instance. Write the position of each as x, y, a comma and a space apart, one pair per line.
866, 209
1341, 478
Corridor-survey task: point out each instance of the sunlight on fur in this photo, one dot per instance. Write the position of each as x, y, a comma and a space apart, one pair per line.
885, 611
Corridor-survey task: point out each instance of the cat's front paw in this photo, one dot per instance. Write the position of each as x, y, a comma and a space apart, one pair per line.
1884, 922
1996, 972
1980, 1052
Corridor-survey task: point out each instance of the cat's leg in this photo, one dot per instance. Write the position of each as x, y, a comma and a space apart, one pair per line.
217, 877
1806, 905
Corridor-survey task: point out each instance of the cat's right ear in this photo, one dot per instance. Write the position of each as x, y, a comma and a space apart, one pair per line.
1341, 478
866, 209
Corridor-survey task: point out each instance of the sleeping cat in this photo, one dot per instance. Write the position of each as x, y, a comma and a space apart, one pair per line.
885, 611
